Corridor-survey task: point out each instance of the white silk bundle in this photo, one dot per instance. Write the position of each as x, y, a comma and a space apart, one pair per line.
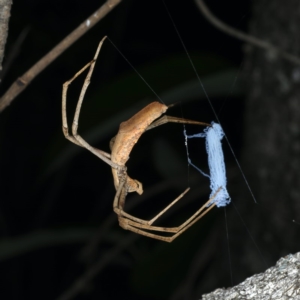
216, 164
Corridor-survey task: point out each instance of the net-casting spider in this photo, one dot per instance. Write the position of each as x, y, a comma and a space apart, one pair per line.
121, 145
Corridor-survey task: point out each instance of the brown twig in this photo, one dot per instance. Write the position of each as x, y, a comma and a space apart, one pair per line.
5, 6
22, 82
243, 36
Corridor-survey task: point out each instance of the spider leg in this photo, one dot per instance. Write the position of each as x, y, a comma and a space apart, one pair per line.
139, 228
65, 126
169, 119
143, 227
122, 214
120, 195
168, 207
192, 219
76, 138
203, 207
149, 234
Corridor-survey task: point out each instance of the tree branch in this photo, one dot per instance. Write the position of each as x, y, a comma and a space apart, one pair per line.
22, 82
243, 36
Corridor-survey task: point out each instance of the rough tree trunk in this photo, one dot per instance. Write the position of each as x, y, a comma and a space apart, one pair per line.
5, 6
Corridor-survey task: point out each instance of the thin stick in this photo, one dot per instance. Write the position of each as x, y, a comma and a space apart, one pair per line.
22, 82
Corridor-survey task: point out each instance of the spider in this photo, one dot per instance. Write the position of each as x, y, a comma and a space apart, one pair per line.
121, 145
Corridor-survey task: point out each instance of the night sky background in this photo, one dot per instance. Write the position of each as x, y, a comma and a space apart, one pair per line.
56, 218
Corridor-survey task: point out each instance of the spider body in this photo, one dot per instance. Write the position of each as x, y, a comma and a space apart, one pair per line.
129, 133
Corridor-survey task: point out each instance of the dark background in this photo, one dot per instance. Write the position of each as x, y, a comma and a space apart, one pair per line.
56, 210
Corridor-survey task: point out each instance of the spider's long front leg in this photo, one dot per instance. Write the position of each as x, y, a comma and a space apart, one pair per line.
169, 119
76, 138
65, 126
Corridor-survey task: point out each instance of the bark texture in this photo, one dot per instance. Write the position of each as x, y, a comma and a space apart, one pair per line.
5, 6
278, 282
